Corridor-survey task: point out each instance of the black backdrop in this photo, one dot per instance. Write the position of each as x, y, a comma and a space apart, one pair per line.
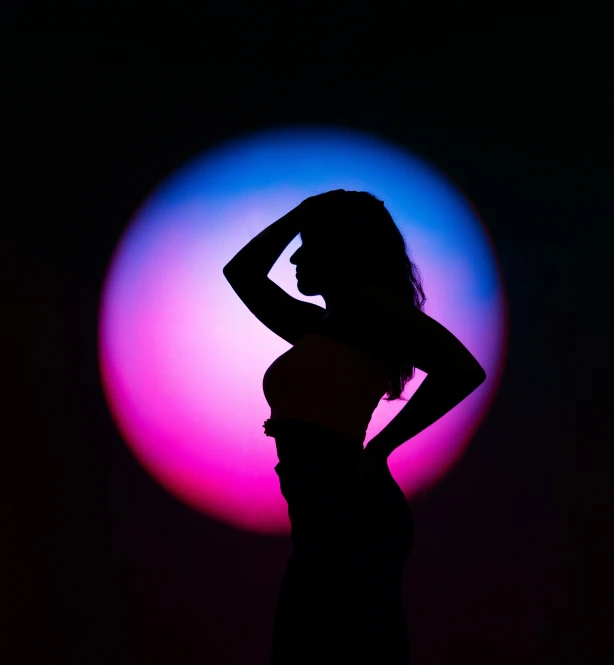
509, 564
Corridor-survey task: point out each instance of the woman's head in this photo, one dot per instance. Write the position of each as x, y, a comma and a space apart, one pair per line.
351, 242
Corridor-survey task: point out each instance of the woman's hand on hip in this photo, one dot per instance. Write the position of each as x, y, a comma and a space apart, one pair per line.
366, 471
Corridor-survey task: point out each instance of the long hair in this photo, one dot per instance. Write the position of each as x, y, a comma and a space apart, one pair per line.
368, 244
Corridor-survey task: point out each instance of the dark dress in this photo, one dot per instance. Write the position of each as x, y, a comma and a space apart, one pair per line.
340, 599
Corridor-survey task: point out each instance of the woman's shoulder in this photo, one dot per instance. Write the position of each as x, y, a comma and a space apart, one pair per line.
381, 319
388, 306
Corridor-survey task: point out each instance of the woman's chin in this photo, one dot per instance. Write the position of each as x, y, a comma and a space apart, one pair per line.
306, 290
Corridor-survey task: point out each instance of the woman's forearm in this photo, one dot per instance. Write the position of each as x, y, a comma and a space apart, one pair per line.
436, 395
261, 252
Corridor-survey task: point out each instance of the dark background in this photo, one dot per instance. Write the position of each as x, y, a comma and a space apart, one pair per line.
510, 563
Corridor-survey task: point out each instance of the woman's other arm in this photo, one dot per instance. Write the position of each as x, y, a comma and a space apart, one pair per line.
436, 395
452, 375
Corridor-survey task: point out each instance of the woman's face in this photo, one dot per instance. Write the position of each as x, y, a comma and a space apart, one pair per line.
318, 267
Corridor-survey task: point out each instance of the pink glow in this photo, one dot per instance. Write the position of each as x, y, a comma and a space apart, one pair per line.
182, 359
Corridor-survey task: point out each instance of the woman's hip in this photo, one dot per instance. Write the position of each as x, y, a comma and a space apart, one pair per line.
328, 513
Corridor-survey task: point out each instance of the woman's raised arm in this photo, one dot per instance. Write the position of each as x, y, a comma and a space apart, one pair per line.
260, 254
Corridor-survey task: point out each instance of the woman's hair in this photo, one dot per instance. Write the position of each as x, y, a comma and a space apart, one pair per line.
362, 234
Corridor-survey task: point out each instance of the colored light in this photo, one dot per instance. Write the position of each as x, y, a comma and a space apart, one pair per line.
182, 358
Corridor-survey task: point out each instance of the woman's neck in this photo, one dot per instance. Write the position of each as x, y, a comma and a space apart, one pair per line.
372, 302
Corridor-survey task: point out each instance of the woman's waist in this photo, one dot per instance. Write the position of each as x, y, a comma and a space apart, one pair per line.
340, 420
300, 437
298, 427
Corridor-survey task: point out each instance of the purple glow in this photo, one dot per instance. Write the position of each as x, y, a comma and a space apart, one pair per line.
182, 359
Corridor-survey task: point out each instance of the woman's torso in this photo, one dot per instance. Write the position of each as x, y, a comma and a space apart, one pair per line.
359, 342
319, 475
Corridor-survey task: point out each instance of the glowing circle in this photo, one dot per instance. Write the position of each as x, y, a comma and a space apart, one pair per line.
182, 359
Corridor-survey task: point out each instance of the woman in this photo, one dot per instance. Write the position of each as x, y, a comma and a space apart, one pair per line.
340, 600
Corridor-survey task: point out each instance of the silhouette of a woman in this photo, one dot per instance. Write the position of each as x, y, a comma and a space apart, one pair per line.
340, 599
